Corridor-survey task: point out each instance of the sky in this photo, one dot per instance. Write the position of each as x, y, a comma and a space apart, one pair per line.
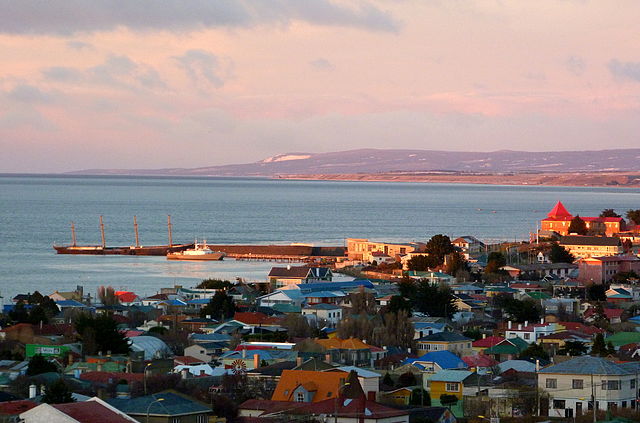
188, 83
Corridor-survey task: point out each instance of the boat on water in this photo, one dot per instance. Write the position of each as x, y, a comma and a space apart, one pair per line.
200, 251
132, 250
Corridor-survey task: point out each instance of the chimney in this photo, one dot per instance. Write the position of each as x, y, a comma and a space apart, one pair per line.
288, 267
208, 316
542, 320
509, 324
184, 373
244, 352
327, 358
484, 336
70, 358
33, 391
519, 326
298, 361
99, 367
256, 361
526, 323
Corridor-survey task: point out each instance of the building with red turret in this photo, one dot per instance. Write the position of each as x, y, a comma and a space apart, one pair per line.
559, 219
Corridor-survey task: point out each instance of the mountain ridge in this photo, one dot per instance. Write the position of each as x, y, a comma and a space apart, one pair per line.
372, 160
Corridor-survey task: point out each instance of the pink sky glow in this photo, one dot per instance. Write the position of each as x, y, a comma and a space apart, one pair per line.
95, 84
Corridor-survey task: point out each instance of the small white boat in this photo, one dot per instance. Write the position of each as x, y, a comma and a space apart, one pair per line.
200, 251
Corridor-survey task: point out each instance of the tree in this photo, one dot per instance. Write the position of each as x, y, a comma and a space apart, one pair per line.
221, 306
57, 393
362, 302
559, 254
599, 347
107, 296
297, 326
609, 213
406, 379
421, 262
573, 348
634, 216
434, 300
578, 226
19, 313
518, 310
596, 292
398, 303
387, 380
38, 365
599, 317
420, 397
625, 277
448, 400
100, 333
214, 284
455, 263
534, 351
495, 260
439, 246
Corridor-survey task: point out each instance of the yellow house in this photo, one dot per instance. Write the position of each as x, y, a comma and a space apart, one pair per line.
591, 246
447, 382
400, 396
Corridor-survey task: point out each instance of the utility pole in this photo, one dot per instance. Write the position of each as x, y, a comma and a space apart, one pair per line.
593, 398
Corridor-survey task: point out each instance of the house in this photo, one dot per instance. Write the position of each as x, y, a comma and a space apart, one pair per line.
541, 270
10, 410
397, 396
486, 342
480, 363
241, 361
602, 269
445, 341
559, 219
434, 361
613, 315
308, 385
507, 349
428, 328
471, 247
280, 277
591, 246
380, 258
163, 407
128, 298
361, 249
76, 412
530, 332
281, 296
327, 314
572, 383
350, 352
447, 382
623, 338
432, 277
205, 351
369, 380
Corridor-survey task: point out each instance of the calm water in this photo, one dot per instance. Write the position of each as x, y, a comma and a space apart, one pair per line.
35, 212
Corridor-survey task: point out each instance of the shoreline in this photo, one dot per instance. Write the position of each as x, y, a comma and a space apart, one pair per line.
583, 179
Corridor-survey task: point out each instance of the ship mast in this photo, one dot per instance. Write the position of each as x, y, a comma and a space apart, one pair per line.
135, 228
104, 244
73, 234
169, 228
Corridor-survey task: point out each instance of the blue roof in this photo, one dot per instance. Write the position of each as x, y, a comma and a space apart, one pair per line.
176, 303
587, 365
424, 325
199, 301
450, 375
325, 294
263, 354
70, 303
444, 337
327, 286
219, 337
171, 405
444, 359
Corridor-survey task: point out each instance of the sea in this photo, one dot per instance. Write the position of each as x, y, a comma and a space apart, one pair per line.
36, 211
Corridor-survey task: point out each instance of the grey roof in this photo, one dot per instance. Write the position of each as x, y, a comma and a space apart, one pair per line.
322, 306
587, 365
171, 405
444, 337
590, 240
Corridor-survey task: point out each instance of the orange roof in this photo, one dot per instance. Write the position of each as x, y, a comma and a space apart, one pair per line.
343, 344
559, 211
325, 385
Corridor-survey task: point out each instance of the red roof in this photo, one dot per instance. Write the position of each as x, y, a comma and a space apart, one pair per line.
254, 318
13, 408
186, 360
88, 411
559, 211
487, 342
126, 296
479, 360
609, 312
111, 377
581, 327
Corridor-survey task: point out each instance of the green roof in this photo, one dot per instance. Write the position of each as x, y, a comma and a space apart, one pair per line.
286, 308
508, 346
623, 338
539, 295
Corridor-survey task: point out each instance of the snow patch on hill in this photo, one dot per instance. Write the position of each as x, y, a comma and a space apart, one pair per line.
285, 157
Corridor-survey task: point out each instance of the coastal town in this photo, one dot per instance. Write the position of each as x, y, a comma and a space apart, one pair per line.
445, 330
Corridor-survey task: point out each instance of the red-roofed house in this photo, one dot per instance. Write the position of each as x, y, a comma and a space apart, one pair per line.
484, 343
614, 315
559, 219
479, 362
15, 408
128, 298
89, 411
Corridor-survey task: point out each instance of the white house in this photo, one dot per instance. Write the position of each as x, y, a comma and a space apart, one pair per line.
572, 384
329, 313
530, 332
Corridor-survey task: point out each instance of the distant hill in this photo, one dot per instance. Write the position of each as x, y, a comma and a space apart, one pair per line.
392, 160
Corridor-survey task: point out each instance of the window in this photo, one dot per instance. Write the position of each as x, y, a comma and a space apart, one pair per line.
610, 385
452, 387
527, 336
577, 384
624, 404
175, 420
558, 403
300, 397
633, 384
202, 418
552, 383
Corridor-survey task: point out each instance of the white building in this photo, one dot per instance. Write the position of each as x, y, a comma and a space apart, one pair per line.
329, 313
573, 384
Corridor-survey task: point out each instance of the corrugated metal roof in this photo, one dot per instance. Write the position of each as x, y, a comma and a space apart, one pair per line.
587, 365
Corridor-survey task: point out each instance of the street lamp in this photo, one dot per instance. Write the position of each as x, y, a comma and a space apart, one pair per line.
149, 407
144, 377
